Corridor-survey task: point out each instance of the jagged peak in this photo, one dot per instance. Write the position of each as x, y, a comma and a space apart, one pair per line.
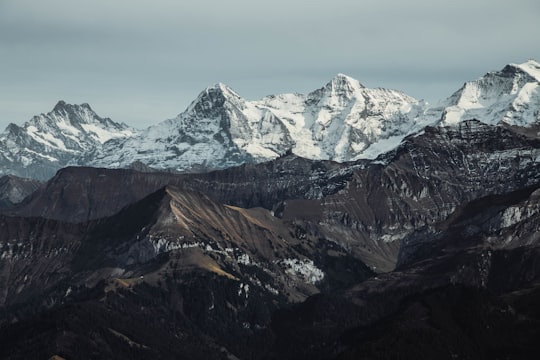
341, 86
213, 95
342, 81
221, 88
79, 119
61, 105
12, 128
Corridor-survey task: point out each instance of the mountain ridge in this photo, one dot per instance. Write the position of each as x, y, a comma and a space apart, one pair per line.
50, 141
341, 121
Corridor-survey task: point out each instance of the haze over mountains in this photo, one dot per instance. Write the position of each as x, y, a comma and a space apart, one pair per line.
342, 121
345, 223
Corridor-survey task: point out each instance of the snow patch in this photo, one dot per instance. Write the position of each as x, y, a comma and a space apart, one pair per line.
243, 289
380, 147
303, 269
47, 157
244, 259
46, 138
103, 135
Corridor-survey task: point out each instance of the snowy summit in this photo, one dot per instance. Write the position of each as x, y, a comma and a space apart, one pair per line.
341, 121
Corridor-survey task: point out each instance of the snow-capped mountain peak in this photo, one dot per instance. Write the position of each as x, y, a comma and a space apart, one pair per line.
62, 106
213, 97
510, 95
50, 141
340, 90
220, 128
342, 82
342, 121
220, 88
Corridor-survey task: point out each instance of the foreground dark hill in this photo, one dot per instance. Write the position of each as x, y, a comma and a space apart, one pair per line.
214, 273
138, 284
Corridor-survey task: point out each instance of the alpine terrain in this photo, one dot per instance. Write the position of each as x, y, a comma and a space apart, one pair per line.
50, 141
342, 224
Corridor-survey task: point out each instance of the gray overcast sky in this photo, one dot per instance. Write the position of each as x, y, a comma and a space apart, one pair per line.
142, 62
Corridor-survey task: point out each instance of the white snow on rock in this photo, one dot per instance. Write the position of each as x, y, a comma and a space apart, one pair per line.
341, 121
510, 96
50, 141
531, 67
220, 129
303, 269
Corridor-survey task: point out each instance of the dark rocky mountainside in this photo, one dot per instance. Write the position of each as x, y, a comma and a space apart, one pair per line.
421, 182
289, 259
207, 265
355, 205
466, 287
81, 193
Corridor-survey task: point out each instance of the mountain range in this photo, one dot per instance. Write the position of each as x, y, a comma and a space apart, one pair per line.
346, 223
342, 121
